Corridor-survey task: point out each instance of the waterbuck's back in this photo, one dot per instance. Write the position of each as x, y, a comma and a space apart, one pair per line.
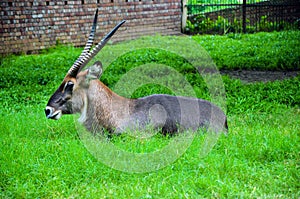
173, 113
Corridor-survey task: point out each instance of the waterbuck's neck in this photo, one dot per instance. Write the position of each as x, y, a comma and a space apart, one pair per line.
102, 107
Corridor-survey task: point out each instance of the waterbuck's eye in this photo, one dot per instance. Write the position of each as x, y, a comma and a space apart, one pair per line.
69, 85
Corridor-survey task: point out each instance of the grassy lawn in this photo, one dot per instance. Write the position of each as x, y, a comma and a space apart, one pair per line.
259, 158
260, 51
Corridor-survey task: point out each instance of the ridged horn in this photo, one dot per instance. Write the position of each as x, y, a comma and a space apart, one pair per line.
88, 56
77, 65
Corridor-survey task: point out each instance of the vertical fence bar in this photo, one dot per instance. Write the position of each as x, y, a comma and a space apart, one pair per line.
184, 15
244, 15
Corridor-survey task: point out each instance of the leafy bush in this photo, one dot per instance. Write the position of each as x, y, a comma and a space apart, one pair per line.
200, 24
197, 6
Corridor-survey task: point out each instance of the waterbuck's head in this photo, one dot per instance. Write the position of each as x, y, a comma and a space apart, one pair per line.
61, 101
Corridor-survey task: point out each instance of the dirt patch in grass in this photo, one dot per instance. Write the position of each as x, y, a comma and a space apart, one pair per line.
259, 76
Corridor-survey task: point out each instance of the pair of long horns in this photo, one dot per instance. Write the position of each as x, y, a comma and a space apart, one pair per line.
86, 55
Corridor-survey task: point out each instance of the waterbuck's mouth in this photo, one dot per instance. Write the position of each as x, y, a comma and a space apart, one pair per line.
51, 114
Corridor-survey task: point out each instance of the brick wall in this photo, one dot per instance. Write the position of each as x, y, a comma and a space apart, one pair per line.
31, 25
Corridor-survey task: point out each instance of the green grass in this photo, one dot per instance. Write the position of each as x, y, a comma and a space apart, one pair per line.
259, 158
260, 51
40, 158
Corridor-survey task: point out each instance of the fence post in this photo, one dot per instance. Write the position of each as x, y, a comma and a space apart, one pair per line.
244, 15
184, 15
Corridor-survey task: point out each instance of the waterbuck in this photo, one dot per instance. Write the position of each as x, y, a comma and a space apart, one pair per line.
82, 92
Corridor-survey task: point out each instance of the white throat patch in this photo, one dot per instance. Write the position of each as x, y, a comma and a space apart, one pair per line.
83, 115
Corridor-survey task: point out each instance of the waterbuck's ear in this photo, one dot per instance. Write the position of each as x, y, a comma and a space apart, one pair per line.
94, 71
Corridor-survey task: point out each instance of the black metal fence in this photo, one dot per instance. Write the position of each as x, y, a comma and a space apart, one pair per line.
242, 16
